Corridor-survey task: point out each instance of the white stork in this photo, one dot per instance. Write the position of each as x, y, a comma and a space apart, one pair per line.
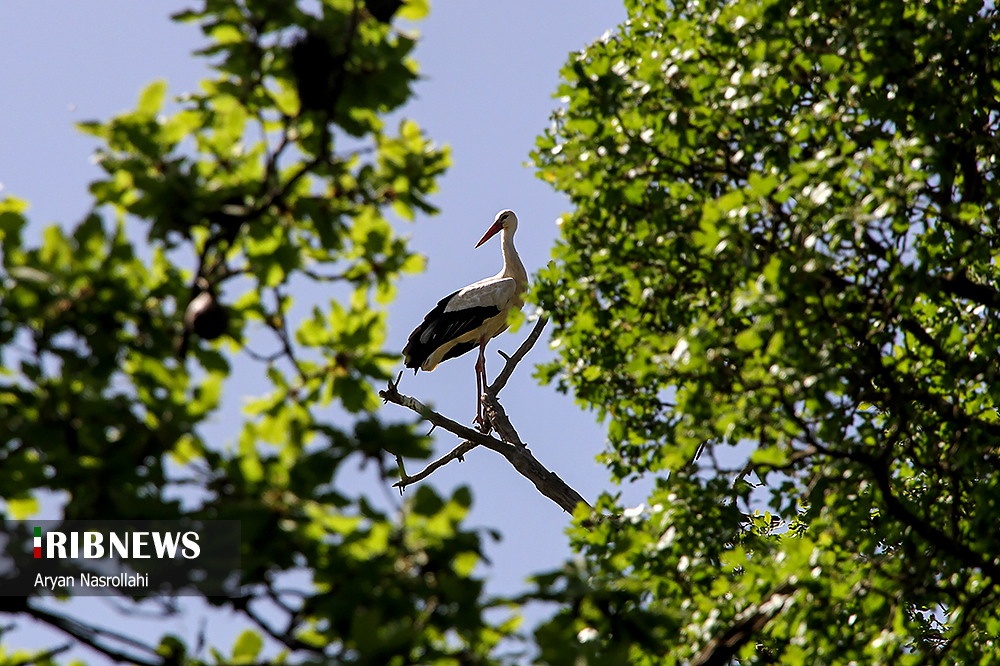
472, 315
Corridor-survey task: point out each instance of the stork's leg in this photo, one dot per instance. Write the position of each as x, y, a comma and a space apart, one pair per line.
480, 380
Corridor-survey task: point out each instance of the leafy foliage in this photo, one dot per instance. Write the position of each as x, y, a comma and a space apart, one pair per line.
110, 369
785, 234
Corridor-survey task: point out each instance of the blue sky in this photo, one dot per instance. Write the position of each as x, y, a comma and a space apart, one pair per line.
489, 70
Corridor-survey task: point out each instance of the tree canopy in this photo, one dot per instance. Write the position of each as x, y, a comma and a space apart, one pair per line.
778, 284
118, 333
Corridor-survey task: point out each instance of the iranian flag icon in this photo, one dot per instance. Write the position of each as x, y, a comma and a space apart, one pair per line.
38, 542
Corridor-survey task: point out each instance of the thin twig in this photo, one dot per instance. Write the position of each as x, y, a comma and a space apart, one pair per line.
286, 637
42, 656
512, 361
746, 469
458, 453
322, 278
264, 358
279, 325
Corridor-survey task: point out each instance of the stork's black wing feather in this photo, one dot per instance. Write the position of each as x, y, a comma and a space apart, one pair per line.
439, 327
460, 349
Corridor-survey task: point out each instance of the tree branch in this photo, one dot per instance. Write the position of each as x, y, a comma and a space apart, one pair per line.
90, 636
286, 638
457, 453
512, 361
392, 394
878, 467
934, 536
721, 649
42, 656
517, 454
509, 446
961, 286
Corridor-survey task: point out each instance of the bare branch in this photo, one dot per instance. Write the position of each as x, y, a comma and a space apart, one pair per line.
42, 656
512, 361
322, 278
264, 358
517, 454
391, 394
498, 419
91, 636
458, 453
548, 483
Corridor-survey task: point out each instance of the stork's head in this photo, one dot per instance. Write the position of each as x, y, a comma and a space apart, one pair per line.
504, 221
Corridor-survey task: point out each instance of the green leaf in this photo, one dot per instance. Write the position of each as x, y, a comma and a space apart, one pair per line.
748, 340
414, 10
23, 508
151, 99
247, 647
769, 457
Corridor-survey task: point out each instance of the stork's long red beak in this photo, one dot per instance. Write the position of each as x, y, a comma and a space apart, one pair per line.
494, 230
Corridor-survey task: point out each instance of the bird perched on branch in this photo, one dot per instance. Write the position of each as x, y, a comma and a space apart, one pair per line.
473, 315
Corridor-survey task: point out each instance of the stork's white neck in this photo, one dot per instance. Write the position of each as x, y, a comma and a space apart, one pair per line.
512, 266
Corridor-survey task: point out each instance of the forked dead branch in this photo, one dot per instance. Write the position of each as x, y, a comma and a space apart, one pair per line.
509, 444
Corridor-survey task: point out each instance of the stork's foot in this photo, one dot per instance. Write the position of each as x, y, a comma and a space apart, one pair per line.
482, 422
